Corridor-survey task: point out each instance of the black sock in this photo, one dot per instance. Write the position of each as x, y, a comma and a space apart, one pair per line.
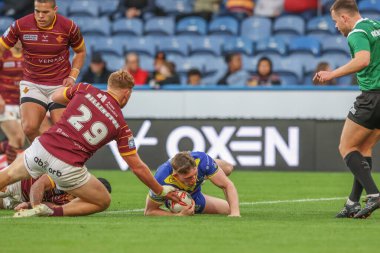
357, 188
361, 170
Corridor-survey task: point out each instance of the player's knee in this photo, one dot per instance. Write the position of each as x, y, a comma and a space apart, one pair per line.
30, 130
228, 169
106, 202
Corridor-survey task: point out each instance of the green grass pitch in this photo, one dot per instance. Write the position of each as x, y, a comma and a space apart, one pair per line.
264, 227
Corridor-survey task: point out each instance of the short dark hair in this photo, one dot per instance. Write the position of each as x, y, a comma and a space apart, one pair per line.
267, 60
183, 162
106, 184
346, 5
228, 57
47, 1
193, 72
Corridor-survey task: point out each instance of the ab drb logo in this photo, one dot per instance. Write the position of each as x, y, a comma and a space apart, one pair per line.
45, 164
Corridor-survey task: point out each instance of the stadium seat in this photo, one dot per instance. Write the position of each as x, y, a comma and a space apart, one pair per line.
191, 62
289, 24
108, 7
113, 62
175, 6
109, 46
224, 25
173, 45
94, 26
127, 27
84, 8
142, 45
215, 69
321, 25
305, 45
5, 22
206, 46
159, 26
272, 45
335, 44
369, 7
290, 70
146, 63
239, 45
192, 25
63, 7
256, 28
250, 63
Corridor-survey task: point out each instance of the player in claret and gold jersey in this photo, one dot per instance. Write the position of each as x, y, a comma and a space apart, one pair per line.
92, 119
46, 38
11, 68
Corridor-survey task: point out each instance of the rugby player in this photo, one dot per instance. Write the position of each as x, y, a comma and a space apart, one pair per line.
18, 196
46, 38
361, 128
187, 171
92, 119
11, 68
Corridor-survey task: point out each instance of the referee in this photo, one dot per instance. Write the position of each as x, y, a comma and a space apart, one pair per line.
361, 129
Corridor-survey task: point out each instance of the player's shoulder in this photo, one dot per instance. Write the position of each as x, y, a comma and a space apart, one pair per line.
163, 172
25, 22
64, 24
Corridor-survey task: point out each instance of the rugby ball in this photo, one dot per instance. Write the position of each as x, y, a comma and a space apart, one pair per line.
186, 200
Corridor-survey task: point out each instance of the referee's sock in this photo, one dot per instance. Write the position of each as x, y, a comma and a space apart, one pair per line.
357, 187
362, 172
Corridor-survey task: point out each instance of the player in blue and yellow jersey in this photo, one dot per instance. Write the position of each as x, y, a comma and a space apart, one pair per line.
187, 171
361, 130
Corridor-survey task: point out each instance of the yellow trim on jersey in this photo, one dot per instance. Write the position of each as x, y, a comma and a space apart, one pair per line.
64, 93
155, 201
51, 181
78, 47
2, 42
129, 153
210, 176
50, 27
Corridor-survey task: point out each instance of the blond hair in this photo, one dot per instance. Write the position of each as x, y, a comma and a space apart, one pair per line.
121, 79
349, 6
183, 162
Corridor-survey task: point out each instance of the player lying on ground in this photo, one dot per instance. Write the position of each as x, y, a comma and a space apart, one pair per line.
20, 195
361, 131
92, 119
187, 171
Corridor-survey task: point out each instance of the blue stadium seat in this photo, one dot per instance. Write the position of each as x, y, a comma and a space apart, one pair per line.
84, 8
289, 70
63, 7
192, 25
238, 44
127, 27
142, 45
109, 46
206, 46
93, 26
305, 45
113, 62
191, 62
224, 25
173, 45
159, 26
215, 69
272, 45
5, 22
108, 7
321, 25
335, 44
146, 63
369, 7
250, 63
289, 25
256, 28
175, 6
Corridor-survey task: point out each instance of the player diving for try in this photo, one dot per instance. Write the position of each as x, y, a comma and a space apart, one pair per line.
187, 171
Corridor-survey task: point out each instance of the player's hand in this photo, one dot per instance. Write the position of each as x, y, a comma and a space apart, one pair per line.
67, 82
23, 205
173, 196
187, 210
323, 76
2, 105
236, 215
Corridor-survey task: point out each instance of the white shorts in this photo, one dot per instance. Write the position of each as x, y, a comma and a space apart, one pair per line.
37, 93
11, 112
10, 203
39, 161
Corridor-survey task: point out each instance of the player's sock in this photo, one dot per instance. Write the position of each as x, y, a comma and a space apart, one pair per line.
11, 153
3, 146
357, 187
350, 202
361, 170
57, 211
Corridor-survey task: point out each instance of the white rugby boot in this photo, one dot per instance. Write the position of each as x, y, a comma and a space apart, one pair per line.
40, 210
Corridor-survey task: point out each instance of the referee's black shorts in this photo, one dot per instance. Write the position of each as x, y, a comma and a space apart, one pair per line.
366, 110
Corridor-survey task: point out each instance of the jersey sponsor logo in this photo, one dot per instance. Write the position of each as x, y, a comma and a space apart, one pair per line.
30, 37
375, 33
53, 60
353, 110
25, 90
59, 39
131, 143
102, 110
45, 165
9, 64
45, 38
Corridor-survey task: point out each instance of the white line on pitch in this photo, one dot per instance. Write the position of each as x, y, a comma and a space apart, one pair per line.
247, 204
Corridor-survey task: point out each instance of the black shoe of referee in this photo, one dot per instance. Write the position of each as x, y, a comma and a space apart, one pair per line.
372, 204
349, 211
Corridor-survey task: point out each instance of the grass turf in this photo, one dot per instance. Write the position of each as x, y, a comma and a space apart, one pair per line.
280, 227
